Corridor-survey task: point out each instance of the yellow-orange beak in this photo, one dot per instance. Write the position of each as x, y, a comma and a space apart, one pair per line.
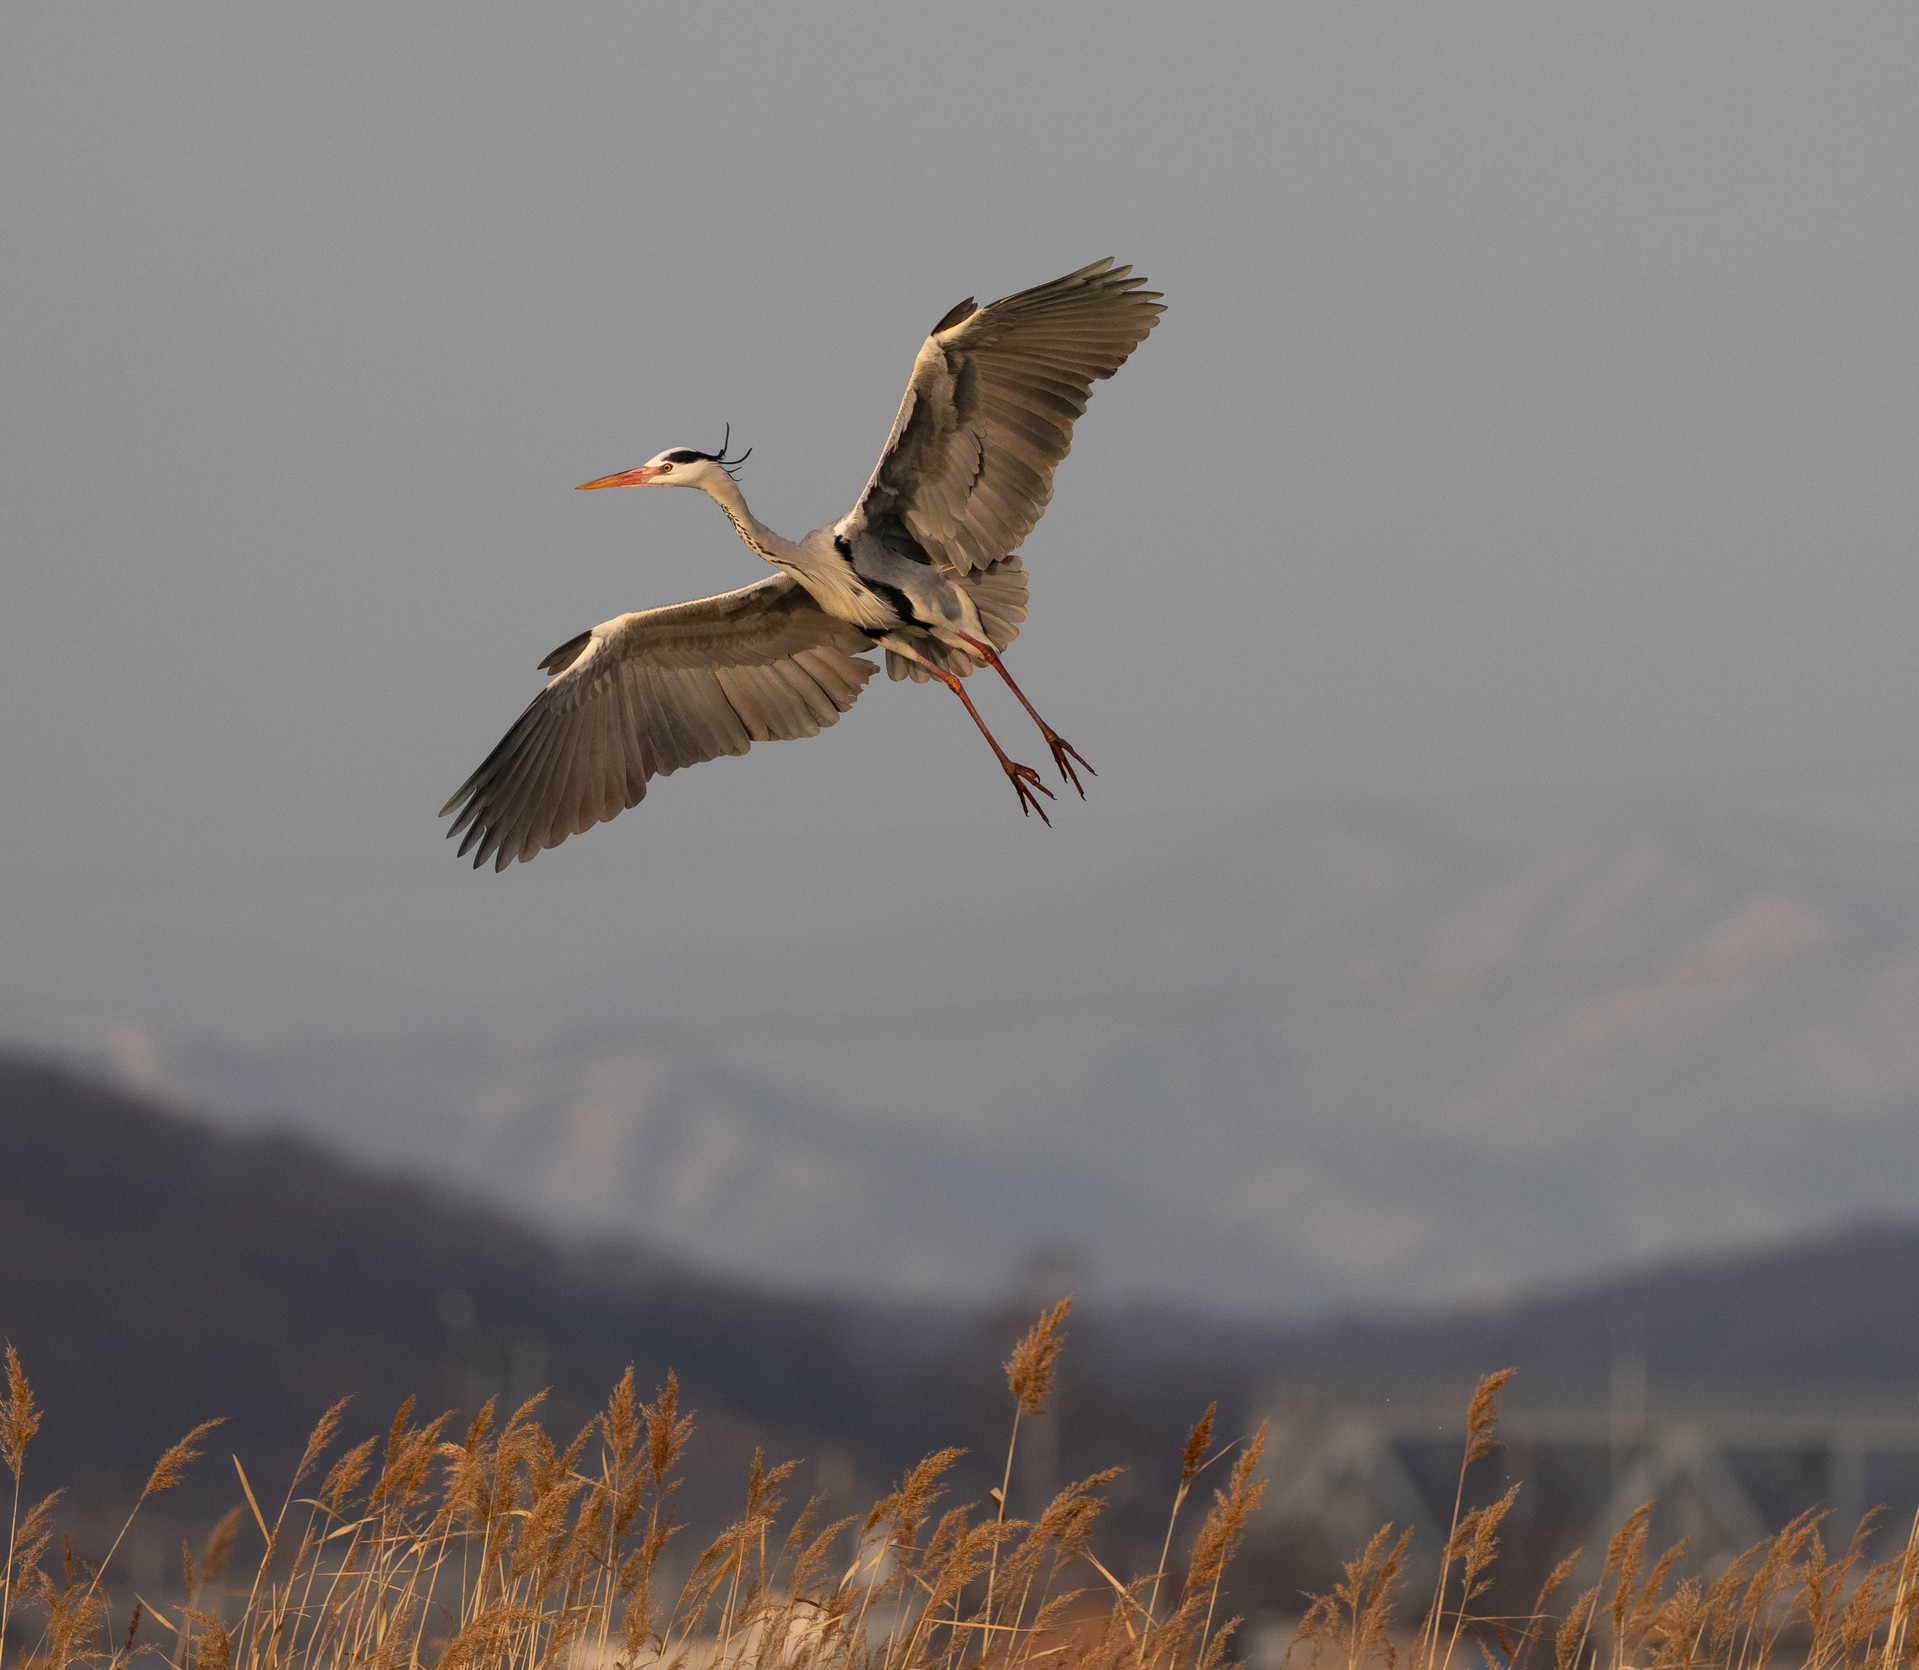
626, 478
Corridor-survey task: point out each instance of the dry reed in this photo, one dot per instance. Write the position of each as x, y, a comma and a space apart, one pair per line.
497, 1548
500, 1548
1784, 1600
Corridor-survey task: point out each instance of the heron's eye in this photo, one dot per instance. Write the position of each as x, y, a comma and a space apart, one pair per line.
666, 469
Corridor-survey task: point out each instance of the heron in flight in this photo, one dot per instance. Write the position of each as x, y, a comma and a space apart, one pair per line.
924, 566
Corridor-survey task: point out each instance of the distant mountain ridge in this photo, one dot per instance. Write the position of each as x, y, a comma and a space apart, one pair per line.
1302, 1064
155, 1270
1839, 1310
131, 1233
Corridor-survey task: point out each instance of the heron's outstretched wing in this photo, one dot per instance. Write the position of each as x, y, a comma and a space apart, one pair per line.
646, 694
989, 414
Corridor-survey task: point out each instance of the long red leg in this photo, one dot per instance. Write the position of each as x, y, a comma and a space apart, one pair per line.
1023, 777
1064, 753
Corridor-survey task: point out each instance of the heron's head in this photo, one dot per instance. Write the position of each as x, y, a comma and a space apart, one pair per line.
680, 466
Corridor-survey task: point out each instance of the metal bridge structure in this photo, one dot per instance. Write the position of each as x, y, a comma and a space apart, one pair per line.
1724, 1466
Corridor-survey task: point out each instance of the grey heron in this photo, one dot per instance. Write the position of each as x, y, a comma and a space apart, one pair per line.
924, 565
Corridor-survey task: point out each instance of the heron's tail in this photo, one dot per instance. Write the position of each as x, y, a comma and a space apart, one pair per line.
999, 594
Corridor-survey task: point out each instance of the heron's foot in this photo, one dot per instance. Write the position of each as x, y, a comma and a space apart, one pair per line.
1027, 785
1064, 754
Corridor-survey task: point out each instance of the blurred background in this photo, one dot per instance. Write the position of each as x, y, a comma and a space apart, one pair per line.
1487, 599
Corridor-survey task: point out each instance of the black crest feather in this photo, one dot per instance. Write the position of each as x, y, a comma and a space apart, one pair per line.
686, 455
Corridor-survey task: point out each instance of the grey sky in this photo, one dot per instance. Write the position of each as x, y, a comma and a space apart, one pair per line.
1534, 413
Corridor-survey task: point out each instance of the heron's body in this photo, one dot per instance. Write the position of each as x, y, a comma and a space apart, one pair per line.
892, 591
924, 566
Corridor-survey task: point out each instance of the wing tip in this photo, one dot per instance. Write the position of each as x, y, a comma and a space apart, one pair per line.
955, 314
569, 652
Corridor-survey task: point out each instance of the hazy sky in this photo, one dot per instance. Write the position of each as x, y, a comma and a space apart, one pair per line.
1534, 413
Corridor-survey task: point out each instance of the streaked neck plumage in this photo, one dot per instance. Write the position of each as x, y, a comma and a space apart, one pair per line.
760, 539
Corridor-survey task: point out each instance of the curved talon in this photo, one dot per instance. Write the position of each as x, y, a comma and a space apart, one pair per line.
1025, 781
1061, 750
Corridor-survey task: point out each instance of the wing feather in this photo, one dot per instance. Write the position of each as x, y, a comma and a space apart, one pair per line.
714, 727
652, 733
649, 693
607, 780
542, 788
744, 691
990, 408
839, 677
